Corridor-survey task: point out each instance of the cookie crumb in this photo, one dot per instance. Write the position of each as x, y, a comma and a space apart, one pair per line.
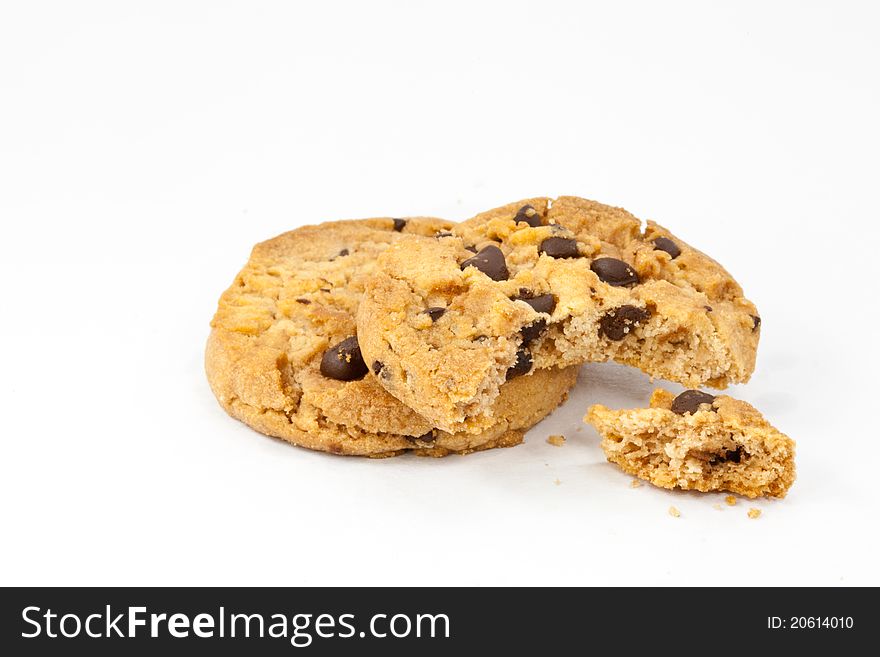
675, 513
754, 513
717, 507
635, 483
557, 482
556, 440
731, 500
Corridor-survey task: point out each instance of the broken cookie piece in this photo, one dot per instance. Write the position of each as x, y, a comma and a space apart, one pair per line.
698, 442
543, 283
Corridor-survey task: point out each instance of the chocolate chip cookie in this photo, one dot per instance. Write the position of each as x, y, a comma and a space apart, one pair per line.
695, 441
543, 283
283, 355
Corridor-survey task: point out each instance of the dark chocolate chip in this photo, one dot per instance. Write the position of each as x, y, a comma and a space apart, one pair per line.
708, 308
377, 367
522, 365
666, 244
527, 214
614, 272
434, 313
756, 321
729, 456
689, 401
343, 361
305, 302
428, 437
344, 252
559, 247
533, 331
481, 338
543, 303
399, 224
472, 249
490, 261
734, 455
618, 323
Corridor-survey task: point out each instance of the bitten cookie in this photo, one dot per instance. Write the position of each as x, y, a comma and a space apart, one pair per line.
283, 356
542, 283
698, 442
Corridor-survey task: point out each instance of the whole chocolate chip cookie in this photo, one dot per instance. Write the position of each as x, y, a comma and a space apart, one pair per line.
543, 283
698, 442
283, 355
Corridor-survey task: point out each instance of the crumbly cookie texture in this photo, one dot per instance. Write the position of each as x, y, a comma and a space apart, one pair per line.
698, 442
541, 283
283, 356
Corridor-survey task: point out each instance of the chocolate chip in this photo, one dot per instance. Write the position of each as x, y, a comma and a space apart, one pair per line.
731, 456
543, 303
434, 313
734, 455
756, 321
618, 323
527, 214
490, 261
614, 272
399, 224
666, 244
472, 249
428, 437
559, 247
533, 331
344, 252
377, 367
343, 361
442, 233
708, 308
522, 365
689, 401
305, 302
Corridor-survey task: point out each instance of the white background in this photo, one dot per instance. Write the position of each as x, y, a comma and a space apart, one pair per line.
144, 147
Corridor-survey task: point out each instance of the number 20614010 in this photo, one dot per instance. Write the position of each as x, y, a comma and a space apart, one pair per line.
810, 623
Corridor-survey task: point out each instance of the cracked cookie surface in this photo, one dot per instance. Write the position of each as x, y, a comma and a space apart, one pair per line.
542, 283
282, 355
698, 442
